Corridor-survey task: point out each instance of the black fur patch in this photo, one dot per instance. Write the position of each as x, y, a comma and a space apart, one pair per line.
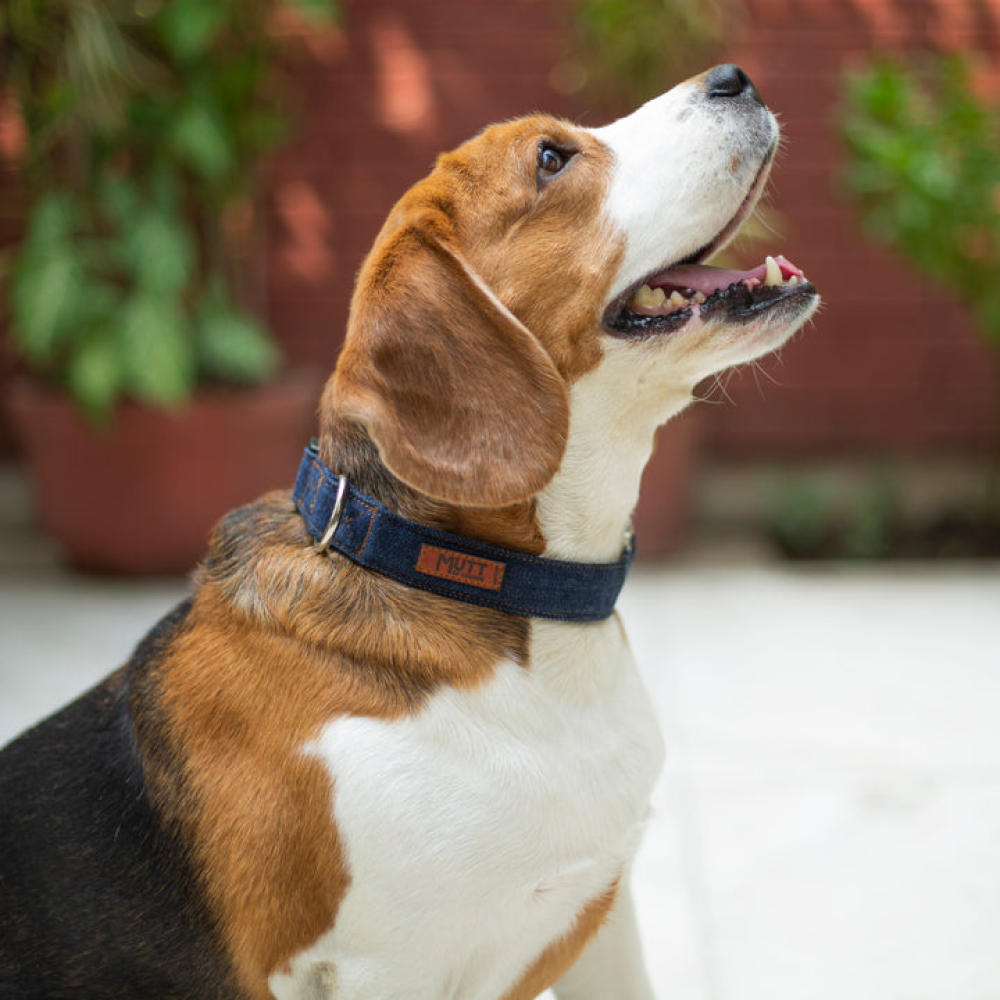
97, 899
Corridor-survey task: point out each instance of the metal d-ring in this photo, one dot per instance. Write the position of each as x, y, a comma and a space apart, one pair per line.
331, 526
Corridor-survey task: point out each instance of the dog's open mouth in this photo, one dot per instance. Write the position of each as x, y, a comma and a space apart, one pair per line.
684, 292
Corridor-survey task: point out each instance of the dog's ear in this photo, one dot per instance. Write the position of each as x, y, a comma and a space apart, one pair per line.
462, 400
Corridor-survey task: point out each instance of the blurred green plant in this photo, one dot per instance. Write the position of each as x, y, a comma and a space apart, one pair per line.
631, 50
873, 524
819, 517
924, 170
145, 120
801, 516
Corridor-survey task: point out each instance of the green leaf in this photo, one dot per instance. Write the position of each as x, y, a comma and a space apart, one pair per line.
45, 289
199, 139
988, 313
103, 66
161, 252
235, 347
93, 374
166, 186
157, 349
119, 197
319, 13
188, 27
52, 220
925, 171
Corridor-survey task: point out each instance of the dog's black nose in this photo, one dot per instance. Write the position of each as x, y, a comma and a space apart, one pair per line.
730, 81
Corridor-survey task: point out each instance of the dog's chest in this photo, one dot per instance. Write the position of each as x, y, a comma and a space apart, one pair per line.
476, 830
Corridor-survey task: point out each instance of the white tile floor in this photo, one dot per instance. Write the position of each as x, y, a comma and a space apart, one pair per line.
828, 825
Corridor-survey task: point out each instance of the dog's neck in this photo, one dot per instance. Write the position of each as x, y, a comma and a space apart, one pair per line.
583, 515
346, 448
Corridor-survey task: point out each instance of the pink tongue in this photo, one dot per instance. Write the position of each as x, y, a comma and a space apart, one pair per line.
702, 278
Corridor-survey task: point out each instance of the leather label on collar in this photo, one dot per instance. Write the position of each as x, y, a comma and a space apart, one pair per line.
470, 570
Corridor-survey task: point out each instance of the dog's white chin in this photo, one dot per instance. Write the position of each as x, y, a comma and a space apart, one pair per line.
585, 511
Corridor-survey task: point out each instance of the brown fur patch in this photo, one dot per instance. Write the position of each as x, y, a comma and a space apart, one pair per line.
462, 401
346, 448
547, 253
479, 304
277, 642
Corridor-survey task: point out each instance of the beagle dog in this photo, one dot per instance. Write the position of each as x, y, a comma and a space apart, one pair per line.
395, 746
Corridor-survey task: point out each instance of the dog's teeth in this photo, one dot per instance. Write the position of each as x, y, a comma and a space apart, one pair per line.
648, 298
653, 298
793, 280
772, 274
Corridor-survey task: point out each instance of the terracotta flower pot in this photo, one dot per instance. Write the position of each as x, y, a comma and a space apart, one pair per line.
140, 496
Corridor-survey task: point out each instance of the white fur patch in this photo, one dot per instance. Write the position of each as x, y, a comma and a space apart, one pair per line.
476, 830
683, 167
615, 410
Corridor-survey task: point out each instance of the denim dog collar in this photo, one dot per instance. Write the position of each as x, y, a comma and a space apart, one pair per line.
368, 533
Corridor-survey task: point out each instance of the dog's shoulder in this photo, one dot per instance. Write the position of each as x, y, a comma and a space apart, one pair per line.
276, 642
268, 597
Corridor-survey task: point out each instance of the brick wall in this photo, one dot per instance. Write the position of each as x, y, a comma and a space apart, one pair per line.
407, 81
889, 364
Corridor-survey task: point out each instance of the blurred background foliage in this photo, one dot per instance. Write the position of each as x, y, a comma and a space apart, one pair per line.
631, 50
145, 121
924, 172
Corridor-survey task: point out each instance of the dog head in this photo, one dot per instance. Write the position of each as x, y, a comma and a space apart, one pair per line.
538, 305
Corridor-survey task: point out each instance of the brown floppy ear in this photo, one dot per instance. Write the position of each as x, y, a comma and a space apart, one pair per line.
461, 399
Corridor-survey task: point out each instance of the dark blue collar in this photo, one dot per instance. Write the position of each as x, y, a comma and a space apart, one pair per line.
341, 518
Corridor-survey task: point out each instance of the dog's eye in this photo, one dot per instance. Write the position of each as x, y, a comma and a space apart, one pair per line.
551, 160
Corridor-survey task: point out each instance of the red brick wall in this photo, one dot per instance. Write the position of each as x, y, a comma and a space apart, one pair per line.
408, 81
889, 364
